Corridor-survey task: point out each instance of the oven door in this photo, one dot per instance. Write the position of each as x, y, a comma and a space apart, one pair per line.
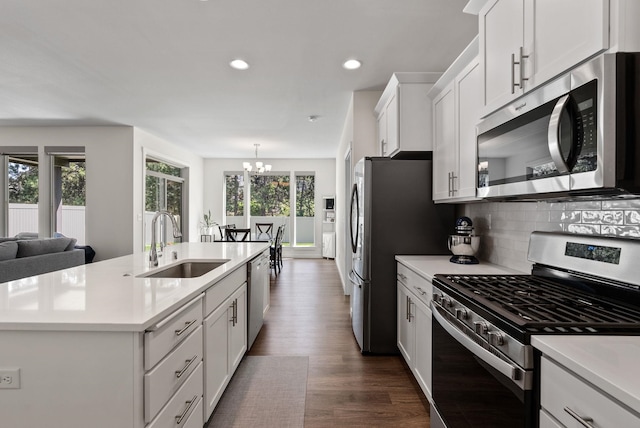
472, 387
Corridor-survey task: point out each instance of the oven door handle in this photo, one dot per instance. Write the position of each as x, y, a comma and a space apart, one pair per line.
501, 366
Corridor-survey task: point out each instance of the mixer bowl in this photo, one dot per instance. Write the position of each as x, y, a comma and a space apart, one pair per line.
464, 245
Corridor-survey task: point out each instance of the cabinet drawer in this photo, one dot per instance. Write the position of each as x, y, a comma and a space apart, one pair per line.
165, 335
222, 289
168, 375
419, 286
185, 408
562, 392
546, 421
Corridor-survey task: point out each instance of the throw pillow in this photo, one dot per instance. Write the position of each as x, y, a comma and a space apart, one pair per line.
36, 247
8, 250
72, 244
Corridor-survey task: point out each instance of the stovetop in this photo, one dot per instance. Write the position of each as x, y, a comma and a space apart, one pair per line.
535, 305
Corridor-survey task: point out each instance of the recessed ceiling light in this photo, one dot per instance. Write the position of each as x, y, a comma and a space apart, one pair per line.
239, 64
352, 64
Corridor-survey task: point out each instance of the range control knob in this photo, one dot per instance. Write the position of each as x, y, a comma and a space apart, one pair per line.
461, 313
446, 301
496, 338
481, 327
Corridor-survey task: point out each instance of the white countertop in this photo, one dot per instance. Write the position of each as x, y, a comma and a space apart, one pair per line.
608, 362
108, 295
428, 266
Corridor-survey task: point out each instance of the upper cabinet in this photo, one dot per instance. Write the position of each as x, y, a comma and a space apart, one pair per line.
457, 101
404, 113
524, 43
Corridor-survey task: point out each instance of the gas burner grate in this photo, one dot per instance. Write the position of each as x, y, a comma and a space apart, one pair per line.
539, 304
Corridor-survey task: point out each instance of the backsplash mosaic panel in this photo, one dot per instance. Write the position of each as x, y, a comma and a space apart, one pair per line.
505, 227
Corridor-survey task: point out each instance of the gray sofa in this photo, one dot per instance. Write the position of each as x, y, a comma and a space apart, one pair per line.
20, 258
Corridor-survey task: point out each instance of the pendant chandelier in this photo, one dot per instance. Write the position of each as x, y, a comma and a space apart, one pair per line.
259, 167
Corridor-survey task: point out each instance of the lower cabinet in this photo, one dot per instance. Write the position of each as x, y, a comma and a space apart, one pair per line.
414, 325
225, 342
566, 400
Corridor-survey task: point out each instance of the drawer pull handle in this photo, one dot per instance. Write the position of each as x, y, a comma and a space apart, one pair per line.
585, 421
402, 276
421, 291
186, 327
179, 373
179, 418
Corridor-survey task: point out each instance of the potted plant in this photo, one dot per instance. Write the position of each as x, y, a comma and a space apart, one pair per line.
208, 225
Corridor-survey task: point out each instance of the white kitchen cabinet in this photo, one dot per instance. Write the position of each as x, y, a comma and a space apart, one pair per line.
569, 401
457, 100
414, 324
404, 114
225, 342
524, 43
406, 331
444, 143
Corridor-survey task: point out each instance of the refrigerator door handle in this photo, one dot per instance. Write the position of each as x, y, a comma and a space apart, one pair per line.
354, 200
355, 279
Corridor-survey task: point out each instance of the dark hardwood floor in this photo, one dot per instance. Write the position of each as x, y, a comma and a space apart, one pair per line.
309, 316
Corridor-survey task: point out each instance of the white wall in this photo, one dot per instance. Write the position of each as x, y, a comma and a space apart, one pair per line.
115, 178
360, 136
325, 173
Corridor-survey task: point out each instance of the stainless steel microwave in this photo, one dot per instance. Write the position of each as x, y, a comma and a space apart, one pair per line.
577, 136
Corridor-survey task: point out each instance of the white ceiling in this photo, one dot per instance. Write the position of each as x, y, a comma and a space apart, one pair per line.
162, 65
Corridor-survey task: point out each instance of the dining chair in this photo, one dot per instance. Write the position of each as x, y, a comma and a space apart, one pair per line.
264, 229
223, 228
237, 235
275, 251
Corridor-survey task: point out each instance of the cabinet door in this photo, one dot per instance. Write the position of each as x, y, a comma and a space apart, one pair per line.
469, 94
444, 143
501, 35
557, 43
405, 325
216, 356
238, 328
422, 357
382, 132
393, 121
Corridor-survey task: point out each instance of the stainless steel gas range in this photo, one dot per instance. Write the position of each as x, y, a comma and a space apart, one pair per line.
485, 371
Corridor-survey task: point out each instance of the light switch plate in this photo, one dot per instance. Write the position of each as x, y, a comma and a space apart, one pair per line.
9, 378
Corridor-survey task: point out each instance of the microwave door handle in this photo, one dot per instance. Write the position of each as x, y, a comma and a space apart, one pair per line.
501, 366
553, 135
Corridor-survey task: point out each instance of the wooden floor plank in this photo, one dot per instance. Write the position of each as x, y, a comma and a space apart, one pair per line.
309, 316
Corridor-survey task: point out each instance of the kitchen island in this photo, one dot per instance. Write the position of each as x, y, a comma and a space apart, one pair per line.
105, 345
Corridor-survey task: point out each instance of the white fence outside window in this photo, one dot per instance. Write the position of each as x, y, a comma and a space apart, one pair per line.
24, 218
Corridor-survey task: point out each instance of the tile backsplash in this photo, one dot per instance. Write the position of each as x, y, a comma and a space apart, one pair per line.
505, 227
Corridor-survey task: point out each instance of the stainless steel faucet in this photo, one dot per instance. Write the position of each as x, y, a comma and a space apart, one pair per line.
153, 254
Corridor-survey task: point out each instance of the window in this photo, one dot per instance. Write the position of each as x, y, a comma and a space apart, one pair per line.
68, 184
20, 185
163, 191
271, 199
305, 209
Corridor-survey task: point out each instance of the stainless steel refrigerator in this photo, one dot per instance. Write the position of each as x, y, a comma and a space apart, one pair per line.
392, 213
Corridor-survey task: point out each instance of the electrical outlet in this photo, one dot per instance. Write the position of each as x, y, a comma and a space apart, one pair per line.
10, 378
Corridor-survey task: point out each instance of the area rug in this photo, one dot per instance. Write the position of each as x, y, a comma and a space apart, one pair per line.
266, 391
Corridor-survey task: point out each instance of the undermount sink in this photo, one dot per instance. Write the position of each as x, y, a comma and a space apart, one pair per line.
186, 269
